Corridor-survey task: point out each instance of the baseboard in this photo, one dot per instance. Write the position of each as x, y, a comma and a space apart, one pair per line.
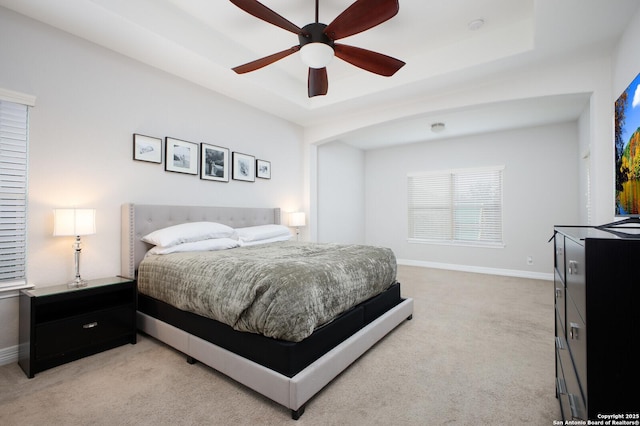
478, 269
9, 355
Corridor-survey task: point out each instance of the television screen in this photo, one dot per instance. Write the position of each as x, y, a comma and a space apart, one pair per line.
627, 151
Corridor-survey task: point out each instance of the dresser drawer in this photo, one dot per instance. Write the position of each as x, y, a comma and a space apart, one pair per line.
561, 387
560, 329
559, 259
576, 335
576, 275
560, 296
567, 387
57, 338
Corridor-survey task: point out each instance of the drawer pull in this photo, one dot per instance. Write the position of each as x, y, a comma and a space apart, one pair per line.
573, 267
558, 293
560, 386
573, 330
560, 343
91, 325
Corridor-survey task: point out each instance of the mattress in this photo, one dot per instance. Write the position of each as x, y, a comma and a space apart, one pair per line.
280, 290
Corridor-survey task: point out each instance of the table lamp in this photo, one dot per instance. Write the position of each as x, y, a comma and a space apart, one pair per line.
296, 220
74, 222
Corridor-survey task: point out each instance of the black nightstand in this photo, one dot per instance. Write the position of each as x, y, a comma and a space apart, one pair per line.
60, 324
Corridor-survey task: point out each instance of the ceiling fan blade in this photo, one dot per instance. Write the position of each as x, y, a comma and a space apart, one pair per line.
263, 62
261, 11
360, 16
318, 82
374, 62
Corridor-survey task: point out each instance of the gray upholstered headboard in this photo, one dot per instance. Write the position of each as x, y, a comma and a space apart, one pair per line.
140, 219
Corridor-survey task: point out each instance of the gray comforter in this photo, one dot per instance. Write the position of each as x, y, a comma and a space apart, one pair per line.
282, 290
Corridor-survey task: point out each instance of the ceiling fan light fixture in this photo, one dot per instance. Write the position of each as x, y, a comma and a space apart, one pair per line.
316, 55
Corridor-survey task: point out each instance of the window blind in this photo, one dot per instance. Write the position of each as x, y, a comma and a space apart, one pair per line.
13, 193
456, 206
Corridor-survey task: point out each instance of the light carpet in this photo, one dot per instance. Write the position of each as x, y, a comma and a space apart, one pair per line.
479, 351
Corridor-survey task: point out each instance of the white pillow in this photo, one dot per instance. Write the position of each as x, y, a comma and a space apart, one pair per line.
268, 240
262, 232
203, 245
188, 232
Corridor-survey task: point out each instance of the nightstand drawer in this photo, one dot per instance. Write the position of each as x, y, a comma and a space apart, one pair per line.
57, 338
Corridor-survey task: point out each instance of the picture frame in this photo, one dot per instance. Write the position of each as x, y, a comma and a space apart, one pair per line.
263, 169
214, 163
181, 156
147, 148
244, 167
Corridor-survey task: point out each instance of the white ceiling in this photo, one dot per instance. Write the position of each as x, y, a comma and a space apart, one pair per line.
201, 40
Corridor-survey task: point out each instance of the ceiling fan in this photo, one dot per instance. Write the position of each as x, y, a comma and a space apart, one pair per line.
317, 41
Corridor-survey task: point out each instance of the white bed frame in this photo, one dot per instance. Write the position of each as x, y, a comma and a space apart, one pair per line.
292, 392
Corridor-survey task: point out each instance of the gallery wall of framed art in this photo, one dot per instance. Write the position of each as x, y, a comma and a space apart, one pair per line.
211, 162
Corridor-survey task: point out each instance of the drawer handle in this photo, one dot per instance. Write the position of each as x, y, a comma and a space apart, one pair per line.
573, 267
91, 325
558, 293
560, 386
560, 343
573, 330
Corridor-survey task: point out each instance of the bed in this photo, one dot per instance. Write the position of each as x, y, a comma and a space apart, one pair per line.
288, 372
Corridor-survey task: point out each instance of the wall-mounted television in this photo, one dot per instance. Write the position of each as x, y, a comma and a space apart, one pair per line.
627, 151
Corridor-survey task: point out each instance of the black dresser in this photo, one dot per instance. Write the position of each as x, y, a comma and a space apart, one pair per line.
597, 301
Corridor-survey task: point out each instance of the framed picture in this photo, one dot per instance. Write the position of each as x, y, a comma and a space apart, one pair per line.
244, 167
214, 163
263, 169
147, 148
181, 156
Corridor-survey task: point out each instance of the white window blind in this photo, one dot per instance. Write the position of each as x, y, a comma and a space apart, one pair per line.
13, 193
456, 206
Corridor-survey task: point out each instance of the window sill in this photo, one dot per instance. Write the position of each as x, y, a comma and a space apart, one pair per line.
457, 243
9, 290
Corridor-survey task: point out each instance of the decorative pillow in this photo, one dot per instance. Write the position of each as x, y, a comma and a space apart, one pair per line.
188, 232
203, 245
262, 232
268, 240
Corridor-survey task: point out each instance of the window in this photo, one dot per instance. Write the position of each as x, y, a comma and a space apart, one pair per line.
13, 193
456, 206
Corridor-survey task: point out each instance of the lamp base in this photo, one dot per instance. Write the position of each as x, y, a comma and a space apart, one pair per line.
78, 283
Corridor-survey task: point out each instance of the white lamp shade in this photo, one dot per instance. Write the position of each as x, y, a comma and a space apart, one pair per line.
74, 222
297, 219
316, 55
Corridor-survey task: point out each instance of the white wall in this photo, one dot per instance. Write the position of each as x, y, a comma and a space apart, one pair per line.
584, 168
540, 191
89, 102
341, 194
626, 62
582, 72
